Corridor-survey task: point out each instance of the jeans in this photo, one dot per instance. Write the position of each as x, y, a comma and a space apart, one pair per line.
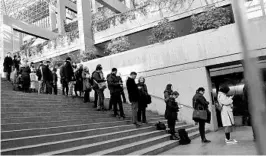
100, 102
48, 87
8, 75
41, 87
110, 102
55, 89
134, 106
202, 129
116, 99
142, 114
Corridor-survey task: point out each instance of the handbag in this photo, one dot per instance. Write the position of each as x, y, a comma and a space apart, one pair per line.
199, 114
160, 126
148, 99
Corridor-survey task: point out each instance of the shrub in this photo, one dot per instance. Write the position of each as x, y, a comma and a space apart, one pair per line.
212, 18
162, 32
117, 45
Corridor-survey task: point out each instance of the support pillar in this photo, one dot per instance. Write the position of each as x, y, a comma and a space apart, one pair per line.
61, 16
129, 4
85, 25
93, 6
52, 18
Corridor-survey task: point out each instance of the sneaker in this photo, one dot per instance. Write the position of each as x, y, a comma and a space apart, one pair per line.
205, 141
230, 141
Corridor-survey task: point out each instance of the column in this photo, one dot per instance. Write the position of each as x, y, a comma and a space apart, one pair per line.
52, 18
93, 6
61, 16
129, 4
84, 23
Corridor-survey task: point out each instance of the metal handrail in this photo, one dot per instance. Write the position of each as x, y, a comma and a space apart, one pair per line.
157, 97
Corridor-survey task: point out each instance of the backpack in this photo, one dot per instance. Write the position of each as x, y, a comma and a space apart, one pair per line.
160, 126
184, 139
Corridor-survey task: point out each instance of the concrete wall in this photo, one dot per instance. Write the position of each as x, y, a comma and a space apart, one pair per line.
183, 61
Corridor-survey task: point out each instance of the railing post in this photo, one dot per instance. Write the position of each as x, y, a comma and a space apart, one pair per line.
253, 77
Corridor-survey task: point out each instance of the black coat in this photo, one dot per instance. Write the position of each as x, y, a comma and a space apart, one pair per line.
171, 109
199, 102
8, 62
25, 75
68, 72
114, 84
132, 88
46, 73
143, 92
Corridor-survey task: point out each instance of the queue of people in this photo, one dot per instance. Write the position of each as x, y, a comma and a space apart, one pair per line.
76, 79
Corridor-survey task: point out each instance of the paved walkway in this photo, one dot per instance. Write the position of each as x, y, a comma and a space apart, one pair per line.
245, 146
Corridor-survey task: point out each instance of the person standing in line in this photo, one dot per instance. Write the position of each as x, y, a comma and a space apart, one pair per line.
122, 92
63, 80
99, 85
25, 76
227, 116
143, 92
40, 81
16, 62
46, 77
79, 80
115, 87
171, 114
86, 84
199, 102
133, 95
69, 76
8, 62
33, 78
55, 78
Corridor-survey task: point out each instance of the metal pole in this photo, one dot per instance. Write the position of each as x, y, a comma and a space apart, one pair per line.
253, 77
262, 7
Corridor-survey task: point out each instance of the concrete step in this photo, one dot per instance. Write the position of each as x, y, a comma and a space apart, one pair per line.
32, 140
161, 147
128, 148
92, 112
100, 146
67, 128
146, 132
18, 126
42, 109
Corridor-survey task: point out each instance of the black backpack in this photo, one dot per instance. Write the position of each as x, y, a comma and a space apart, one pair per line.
184, 139
160, 126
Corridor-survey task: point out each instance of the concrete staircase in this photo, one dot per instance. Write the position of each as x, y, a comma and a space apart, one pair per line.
34, 124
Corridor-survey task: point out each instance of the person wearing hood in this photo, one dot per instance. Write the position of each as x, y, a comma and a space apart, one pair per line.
200, 103
99, 86
86, 84
68, 74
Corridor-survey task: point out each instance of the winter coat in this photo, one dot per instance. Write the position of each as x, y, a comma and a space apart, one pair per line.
98, 77
199, 102
79, 79
8, 62
143, 92
25, 75
227, 111
132, 88
171, 109
68, 72
86, 81
114, 84
46, 73
167, 94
